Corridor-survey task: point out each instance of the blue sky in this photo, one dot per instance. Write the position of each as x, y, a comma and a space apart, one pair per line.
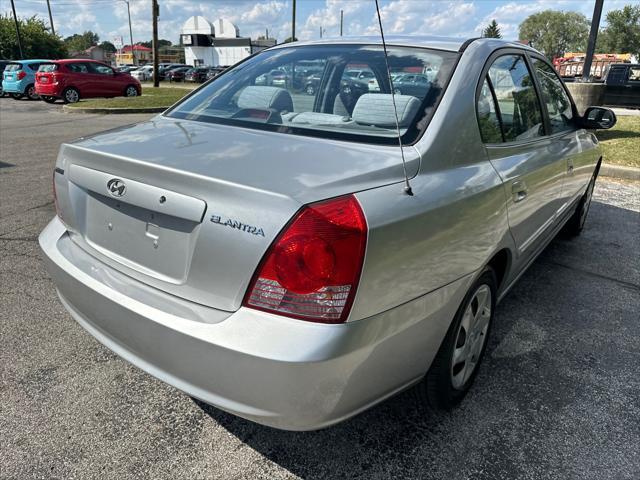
435, 17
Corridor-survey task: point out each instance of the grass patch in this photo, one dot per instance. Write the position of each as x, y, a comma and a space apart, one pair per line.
621, 144
151, 97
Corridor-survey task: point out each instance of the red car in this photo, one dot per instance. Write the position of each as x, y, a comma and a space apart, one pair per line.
72, 80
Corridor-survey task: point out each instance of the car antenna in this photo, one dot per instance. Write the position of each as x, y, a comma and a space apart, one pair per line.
407, 185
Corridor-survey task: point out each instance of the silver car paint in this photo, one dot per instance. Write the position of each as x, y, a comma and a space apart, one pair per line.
423, 251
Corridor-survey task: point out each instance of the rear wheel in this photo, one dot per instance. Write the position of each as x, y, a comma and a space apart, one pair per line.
456, 363
49, 99
71, 95
30, 91
131, 91
575, 225
16, 96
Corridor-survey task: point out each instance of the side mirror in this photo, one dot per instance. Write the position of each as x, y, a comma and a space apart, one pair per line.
598, 118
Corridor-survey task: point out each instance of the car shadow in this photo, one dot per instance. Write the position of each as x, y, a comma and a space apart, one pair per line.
615, 134
527, 388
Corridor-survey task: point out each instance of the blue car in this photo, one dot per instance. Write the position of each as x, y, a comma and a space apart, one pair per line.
19, 78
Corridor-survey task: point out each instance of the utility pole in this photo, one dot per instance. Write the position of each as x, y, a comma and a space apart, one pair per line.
156, 14
341, 20
321, 32
591, 45
293, 21
53, 30
133, 51
15, 18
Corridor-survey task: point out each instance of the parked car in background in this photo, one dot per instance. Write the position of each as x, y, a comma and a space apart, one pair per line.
366, 76
176, 74
127, 68
269, 257
622, 85
3, 64
197, 74
71, 80
162, 72
215, 71
19, 78
415, 84
275, 77
143, 73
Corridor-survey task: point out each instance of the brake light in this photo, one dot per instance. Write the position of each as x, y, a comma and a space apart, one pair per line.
312, 269
21, 74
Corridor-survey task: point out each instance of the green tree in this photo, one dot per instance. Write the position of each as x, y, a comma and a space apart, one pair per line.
79, 42
161, 43
107, 46
492, 30
555, 33
37, 40
288, 40
622, 33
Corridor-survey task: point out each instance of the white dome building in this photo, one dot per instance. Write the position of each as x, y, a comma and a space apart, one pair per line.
214, 44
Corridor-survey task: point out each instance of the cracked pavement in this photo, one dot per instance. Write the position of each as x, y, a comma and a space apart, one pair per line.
558, 395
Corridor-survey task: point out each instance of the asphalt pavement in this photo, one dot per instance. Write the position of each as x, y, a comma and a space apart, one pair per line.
557, 397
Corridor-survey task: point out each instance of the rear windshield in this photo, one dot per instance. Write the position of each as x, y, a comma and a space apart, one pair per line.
335, 91
48, 67
13, 67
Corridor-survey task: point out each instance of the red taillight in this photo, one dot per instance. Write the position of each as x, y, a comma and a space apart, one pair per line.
21, 74
311, 271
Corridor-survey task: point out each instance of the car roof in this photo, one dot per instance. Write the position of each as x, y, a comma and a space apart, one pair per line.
70, 60
31, 60
453, 44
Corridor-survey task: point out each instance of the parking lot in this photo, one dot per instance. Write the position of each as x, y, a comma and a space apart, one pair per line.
558, 395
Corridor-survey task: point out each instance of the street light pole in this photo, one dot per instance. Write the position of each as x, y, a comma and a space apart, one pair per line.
133, 51
591, 45
156, 13
15, 18
293, 22
53, 30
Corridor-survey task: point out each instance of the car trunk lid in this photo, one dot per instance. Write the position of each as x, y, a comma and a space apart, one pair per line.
191, 208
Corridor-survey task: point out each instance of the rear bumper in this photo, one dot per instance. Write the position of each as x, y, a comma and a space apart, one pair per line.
49, 89
276, 371
17, 86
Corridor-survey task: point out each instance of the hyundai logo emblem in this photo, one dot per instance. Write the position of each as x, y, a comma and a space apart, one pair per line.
116, 187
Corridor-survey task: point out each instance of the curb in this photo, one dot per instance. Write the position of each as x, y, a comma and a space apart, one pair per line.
69, 109
619, 171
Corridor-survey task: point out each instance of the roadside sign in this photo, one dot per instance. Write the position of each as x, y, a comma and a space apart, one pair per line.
117, 42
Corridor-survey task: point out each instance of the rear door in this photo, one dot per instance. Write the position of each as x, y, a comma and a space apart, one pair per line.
80, 78
510, 115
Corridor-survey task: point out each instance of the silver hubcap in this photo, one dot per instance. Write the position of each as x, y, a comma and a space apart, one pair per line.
71, 96
132, 92
471, 336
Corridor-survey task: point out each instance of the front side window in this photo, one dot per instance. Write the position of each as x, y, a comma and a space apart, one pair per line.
554, 96
334, 91
517, 99
100, 69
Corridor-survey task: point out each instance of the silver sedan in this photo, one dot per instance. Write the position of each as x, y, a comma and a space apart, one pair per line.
294, 258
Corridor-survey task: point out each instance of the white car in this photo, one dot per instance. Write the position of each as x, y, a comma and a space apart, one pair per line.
142, 73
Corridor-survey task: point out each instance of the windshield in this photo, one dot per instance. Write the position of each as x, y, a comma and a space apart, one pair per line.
335, 91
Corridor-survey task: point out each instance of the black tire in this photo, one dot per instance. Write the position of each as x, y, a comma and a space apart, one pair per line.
437, 391
49, 99
131, 91
575, 224
30, 92
71, 95
16, 96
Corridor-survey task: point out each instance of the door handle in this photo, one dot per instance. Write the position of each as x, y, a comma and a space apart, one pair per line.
519, 190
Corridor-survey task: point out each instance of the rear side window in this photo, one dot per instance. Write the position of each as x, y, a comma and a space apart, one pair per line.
516, 97
634, 74
488, 117
554, 96
77, 67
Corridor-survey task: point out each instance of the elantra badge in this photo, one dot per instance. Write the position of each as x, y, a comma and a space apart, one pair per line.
116, 187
